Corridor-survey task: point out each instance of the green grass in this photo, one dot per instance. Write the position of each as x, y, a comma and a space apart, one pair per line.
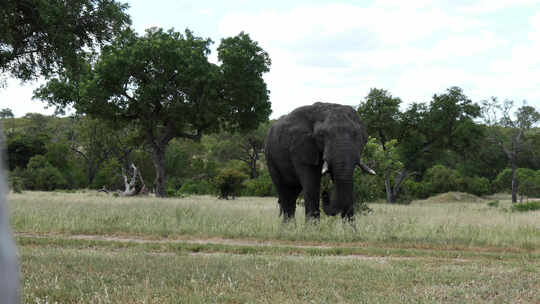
92, 248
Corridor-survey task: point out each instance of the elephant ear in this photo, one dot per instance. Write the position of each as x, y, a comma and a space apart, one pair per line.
303, 148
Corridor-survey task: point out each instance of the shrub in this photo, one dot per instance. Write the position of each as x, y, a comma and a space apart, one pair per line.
199, 187
16, 180
260, 186
440, 179
529, 206
109, 176
229, 182
367, 188
503, 181
493, 204
476, 185
41, 175
415, 189
528, 181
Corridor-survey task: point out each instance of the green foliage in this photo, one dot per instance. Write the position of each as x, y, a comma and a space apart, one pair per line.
109, 176
41, 37
191, 186
528, 206
23, 146
260, 186
229, 182
476, 185
367, 188
503, 181
527, 180
164, 82
41, 175
6, 113
494, 204
439, 179
415, 189
16, 180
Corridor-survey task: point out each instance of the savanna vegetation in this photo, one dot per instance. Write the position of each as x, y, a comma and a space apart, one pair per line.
423, 149
93, 248
150, 113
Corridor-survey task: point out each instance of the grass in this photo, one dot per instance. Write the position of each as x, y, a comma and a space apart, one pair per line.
438, 225
93, 248
101, 273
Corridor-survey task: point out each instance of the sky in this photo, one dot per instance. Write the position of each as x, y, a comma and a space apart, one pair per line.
336, 51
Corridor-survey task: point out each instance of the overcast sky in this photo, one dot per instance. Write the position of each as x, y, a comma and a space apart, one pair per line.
336, 51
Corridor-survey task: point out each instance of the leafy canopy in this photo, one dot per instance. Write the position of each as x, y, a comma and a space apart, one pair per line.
41, 37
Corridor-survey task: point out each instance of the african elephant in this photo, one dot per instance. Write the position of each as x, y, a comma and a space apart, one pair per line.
309, 142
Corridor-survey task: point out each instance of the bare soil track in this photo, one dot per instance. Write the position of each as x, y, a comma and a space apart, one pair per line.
387, 256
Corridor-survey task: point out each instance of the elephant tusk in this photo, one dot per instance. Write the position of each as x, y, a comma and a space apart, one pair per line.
367, 169
324, 168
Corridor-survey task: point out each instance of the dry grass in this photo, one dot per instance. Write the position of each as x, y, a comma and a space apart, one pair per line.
430, 223
429, 252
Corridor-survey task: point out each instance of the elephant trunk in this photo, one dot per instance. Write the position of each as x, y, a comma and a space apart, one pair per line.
341, 200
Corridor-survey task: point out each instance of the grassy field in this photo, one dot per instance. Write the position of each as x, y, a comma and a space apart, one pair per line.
93, 248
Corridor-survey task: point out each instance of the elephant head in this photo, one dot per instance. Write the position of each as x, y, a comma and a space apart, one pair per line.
340, 137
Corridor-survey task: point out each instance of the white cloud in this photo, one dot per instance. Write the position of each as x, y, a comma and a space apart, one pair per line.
415, 49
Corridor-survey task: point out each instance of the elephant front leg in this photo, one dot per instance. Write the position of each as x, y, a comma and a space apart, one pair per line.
311, 184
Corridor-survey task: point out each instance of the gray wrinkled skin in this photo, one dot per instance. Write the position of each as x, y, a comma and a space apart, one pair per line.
9, 272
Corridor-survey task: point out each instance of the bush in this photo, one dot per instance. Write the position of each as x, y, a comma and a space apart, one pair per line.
440, 179
367, 188
528, 181
477, 185
493, 204
198, 187
415, 189
503, 181
41, 175
229, 182
529, 206
260, 186
109, 176
16, 180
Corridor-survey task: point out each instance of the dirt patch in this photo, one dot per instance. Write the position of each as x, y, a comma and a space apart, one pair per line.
216, 241
453, 197
247, 243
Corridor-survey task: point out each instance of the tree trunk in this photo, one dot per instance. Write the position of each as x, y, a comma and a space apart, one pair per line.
392, 193
253, 166
158, 158
514, 183
390, 198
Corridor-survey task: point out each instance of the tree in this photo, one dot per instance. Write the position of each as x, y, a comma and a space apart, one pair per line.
39, 37
384, 159
380, 113
23, 146
246, 147
498, 116
6, 113
422, 131
164, 83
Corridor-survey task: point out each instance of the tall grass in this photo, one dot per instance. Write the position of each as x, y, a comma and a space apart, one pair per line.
444, 224
134, 275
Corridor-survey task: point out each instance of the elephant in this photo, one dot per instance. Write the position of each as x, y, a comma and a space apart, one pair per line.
311, 141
